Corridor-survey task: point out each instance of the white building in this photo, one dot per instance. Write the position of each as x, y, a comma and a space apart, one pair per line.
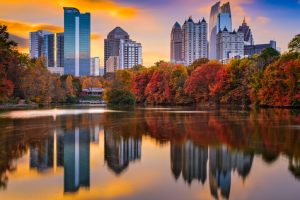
130, 54
95, 66
112, 64
194, 41
230, 45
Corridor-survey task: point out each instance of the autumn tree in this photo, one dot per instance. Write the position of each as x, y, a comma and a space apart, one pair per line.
140, 81
197, 63
281, 83
198, 84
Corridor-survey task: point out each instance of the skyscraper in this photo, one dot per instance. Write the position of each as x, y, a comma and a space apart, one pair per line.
248, 37
42, 45
59, 49
176, 43
130, 54
220, 18
77, 38
118, 44
230, 45
112, 44
194, 41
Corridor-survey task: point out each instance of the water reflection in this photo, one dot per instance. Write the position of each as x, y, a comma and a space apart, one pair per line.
206, 148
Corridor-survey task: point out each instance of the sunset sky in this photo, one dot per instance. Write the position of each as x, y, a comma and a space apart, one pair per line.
149, 21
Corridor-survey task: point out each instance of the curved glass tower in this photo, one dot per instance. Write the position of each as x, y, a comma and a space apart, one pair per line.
220, 17
77, 45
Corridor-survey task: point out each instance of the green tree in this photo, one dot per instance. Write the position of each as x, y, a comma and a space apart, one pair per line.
294, 45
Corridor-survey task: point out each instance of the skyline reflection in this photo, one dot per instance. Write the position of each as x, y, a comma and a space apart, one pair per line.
205, 149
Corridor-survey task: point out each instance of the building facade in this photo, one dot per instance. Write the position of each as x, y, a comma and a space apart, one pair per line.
95, 66
130, 54
230, 45
194, 41
220, 18
176, 44
248, 37
77, 45
118, 45
112, 44
112, 64
60, 50
42, 46
251, 50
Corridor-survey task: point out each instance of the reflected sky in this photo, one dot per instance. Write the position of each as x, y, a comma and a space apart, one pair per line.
151, 154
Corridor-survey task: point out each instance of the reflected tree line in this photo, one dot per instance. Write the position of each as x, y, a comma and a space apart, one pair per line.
224, 141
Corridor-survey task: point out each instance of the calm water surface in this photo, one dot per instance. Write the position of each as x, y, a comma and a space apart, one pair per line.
149, 154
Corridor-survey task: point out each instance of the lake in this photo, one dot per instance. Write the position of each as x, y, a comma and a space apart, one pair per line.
153, 153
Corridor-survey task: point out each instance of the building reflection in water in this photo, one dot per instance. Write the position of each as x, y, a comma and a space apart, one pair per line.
120, 150
70, 150
191, 160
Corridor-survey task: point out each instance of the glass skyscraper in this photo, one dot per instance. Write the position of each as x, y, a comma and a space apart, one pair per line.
220, 17
42, 45
77, 45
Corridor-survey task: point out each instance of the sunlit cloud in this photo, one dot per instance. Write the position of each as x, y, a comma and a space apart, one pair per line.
109, 7
262, 20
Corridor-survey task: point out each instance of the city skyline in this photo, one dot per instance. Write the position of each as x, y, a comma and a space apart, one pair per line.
267, 19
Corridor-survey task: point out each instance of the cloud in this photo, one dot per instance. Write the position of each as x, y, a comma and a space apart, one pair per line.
110, 7
19, 32
262, 20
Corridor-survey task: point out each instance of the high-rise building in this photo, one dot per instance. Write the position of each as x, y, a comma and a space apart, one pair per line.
230, 45
112, 44
194, 41
95, 66
248, 37
176, 43
220, 18
112, 64
77, 45
130, 54
118, 44
59, 49
42, 45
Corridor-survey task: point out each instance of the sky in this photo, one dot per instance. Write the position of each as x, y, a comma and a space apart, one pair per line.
149, 21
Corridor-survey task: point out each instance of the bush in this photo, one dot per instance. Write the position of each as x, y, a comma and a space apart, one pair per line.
120, 98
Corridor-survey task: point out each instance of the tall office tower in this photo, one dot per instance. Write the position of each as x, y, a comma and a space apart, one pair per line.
230, 45
130, 54
77, 39
220, 18
194, 41
42, 45
59, 49
176, 43
112, 44
95, 66
248, 37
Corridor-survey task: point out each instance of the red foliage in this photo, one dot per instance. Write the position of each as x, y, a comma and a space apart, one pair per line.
158, 90
197, 85
280, 84
139, 84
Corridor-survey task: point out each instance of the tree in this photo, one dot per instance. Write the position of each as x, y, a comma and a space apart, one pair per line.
294, 45
198, 84
120, 98
267, 56
281, 83
69, 86
197, 63
139, 83
158, 90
